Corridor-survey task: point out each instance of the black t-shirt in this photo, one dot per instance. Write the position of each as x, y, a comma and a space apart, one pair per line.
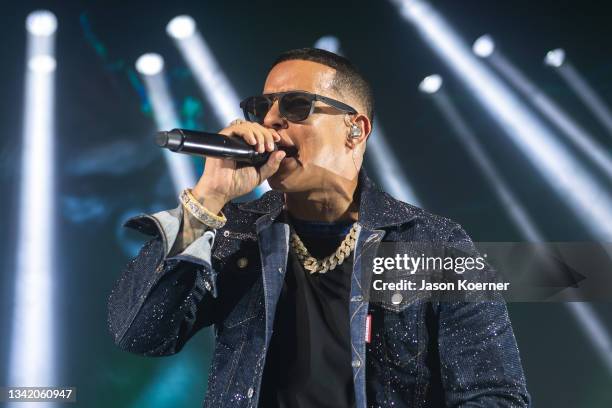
309, 358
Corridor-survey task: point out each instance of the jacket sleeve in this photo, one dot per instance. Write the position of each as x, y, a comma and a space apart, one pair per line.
479, 357
160, 302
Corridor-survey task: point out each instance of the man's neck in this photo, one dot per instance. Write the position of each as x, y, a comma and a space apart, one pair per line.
328, 205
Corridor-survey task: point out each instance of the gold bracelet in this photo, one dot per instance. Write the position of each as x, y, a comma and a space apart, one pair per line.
199, 212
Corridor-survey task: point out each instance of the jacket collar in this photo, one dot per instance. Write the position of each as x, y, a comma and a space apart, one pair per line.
377, 209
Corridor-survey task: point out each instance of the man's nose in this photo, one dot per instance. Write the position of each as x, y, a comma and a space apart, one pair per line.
273, 118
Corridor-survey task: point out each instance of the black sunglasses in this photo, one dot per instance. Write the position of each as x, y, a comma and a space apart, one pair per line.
294, 106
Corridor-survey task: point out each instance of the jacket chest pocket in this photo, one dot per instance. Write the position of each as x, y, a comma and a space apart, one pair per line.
402, 335
236, 258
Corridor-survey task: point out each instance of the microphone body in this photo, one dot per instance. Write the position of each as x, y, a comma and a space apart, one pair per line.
215, 145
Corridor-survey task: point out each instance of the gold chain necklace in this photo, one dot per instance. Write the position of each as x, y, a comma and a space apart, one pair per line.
312, 264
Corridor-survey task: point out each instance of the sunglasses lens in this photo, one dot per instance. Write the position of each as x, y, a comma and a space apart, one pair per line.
256, 108
295, 106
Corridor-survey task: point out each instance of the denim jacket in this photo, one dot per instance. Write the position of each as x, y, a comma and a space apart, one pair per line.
420, 353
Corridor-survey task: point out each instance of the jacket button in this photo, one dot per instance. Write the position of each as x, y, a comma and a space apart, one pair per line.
226, 233
356, 363
396, 299
242, 262
250, 392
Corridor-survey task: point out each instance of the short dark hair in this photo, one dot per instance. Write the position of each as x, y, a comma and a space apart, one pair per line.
347, 80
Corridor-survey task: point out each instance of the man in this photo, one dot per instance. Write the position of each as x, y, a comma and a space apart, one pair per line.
281, 279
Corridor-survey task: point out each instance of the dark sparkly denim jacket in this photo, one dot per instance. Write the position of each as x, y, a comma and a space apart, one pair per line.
421, 354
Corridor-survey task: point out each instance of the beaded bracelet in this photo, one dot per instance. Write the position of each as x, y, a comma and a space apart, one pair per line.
199, 212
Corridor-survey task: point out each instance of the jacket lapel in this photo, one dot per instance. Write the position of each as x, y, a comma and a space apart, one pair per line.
273, 238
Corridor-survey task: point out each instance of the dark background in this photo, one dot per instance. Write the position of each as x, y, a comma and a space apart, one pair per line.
109, 169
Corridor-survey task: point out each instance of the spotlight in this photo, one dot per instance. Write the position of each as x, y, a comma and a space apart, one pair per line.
150, 64
181, 27
42, 64
555, 58
558, 60
484, 46
41, 23
430, 84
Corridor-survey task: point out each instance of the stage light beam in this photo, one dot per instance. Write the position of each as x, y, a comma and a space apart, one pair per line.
151, 68
582, 312
575, 133
432, 86
383, 160
574, 184
208, 74
32, 359
558, 61
42, 64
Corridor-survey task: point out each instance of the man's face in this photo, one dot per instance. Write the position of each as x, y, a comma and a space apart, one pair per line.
320, 139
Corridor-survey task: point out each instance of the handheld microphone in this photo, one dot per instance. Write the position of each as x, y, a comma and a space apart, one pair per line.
215, 145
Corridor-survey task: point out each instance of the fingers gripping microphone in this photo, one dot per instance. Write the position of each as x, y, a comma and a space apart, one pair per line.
215, 145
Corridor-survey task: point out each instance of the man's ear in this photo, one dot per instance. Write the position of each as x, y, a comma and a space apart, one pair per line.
364, 125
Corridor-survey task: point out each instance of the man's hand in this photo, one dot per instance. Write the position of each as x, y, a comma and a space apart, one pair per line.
223, 181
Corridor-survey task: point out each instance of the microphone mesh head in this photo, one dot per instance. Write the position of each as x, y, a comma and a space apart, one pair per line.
162, 139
